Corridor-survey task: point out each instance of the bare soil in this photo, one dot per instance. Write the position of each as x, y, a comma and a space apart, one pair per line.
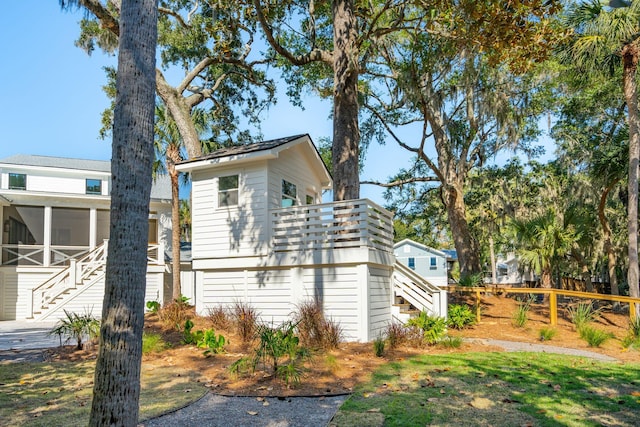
338, 371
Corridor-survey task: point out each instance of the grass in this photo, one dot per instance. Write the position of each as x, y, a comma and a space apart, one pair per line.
499, 389
59, 393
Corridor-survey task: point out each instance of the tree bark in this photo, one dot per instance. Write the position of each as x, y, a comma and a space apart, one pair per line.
466, 245
345, 151
606, 235
116, 389
173, 157
492, 253
630, 60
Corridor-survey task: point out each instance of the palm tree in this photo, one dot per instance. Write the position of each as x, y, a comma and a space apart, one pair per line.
169, 150
543, 240
605, 38
116, 389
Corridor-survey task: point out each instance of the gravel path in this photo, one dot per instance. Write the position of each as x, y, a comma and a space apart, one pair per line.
214, 410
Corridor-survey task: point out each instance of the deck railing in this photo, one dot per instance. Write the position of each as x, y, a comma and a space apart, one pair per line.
337, 225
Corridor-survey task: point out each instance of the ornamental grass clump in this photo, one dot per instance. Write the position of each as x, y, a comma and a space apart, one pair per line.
547, 334
583, 314
521, 315
593, 336
78, 327
314, 329
245, 319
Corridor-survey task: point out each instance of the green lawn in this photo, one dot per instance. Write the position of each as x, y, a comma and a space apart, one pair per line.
59, 393
497, 389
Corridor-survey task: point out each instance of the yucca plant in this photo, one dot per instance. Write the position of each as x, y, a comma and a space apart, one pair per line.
583, 314
77, 326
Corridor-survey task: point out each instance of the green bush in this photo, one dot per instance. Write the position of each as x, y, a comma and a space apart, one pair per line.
594, 337
77, 326
188, 335
378, 347
433, 328
153, 343
451, 342
153, 306
460, 316
280, 349
214, 344
471, 280
583, 314
634, 327
547, 334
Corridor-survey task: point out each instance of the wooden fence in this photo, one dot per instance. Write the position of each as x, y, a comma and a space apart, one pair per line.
553, 297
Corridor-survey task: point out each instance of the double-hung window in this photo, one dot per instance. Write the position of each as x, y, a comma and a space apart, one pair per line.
17, 181
433, 265
412, 263
228, 191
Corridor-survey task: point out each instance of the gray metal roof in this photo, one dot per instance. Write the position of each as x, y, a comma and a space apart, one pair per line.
58, 162
160, 189
248, 148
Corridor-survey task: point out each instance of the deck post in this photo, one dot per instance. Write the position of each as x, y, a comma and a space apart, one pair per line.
478, 305
553, 308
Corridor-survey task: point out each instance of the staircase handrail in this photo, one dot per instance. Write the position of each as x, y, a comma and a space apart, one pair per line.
417, 290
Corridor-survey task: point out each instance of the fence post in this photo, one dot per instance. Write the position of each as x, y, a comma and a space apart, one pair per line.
478, 305
632, 311
553, 308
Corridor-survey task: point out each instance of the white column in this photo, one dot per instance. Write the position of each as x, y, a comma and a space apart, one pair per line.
93, 228
46, 259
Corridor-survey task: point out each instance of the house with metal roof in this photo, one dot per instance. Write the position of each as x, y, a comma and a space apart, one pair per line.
428, 262
55, 227
262, 236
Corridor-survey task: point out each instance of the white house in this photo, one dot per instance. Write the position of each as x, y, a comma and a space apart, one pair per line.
507, 271
427, 262
55, 225
261, 235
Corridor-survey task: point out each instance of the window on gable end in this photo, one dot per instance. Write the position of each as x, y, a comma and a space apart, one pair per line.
433, 264
228, 190
289, 194
412, 263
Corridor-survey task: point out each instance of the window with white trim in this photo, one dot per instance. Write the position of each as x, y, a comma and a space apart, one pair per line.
433, 265
17, 181
228, 191
289, 194
412, 263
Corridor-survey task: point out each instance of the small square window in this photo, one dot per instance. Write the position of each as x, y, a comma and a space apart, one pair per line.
228, 190
310, 200
94, 186
17, 181
412, 263
433, 265
289, 194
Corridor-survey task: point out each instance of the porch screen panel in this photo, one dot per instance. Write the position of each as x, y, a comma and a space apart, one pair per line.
102, 226
25, 227
69, 227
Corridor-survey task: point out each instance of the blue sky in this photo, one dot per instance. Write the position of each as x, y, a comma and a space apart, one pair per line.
51, 97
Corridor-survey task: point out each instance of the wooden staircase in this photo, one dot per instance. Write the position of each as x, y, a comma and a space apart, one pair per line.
413, 294
48, 298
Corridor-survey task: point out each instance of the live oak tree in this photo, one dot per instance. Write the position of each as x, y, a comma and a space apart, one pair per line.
117, 375
459, 89
211, 43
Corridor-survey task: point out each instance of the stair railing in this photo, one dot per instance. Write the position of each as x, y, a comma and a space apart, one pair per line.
419, 292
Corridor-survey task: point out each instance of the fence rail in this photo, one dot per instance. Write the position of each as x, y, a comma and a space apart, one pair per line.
553, 297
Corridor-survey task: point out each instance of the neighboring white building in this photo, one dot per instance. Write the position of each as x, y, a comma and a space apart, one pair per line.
427, 262
260, 235
55, 222
507, 271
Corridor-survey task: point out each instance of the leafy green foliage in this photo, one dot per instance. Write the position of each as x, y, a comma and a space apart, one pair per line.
153, 306
77, 326
434, 328
521, 315
279, 347
460, 316
583, 314
212, 343
471, 280
188, 335
378, 347
593, 336
547, 334
451, 342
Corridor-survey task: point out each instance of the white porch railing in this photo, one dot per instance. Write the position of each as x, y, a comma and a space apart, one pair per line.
34, 255
417, 291
347, 224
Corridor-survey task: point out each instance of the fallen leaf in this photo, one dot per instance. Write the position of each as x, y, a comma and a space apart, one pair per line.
635, 393
252, 413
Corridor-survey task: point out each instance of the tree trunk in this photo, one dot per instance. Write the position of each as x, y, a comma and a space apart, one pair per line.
173, 157
494, 275
116, 388
606, 235
466, 245
346, 134
545, 279
630, 59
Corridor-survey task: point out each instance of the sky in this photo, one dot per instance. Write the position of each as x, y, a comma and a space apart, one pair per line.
51, 96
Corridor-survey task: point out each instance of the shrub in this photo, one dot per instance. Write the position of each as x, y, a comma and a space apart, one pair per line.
471, 280
583, 314
245, 319
77, 326
219, 317
433, 328
378, 347
214, 344
451, 342
153, 343
280, 349
460, 316
153, 306
314, 329
188, 335
594, 337
397, 334
175, 314
631, 342
521, 315
546, 334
